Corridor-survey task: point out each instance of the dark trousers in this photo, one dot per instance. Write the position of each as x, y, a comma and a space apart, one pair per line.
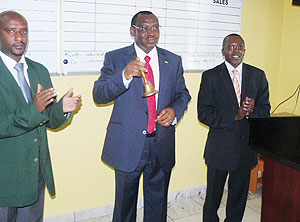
31, 213
238, 186
156, 183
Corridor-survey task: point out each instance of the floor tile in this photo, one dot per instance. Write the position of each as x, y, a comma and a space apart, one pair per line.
193, 218
99, 219
254, 201
200, 199
190, 210
255, 204
183, 208
251, 215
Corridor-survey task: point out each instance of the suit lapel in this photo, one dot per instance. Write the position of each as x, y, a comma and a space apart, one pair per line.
165, 77
33, 78
225, 76
245, 83
9, 83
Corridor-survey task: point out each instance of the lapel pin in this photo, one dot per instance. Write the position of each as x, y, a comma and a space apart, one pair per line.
166, 62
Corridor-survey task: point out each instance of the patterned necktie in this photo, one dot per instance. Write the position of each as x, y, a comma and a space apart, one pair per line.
150, 99
236, 86
23, 83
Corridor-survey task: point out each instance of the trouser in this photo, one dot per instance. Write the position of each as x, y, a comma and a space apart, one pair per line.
238, 186
156, 183
31, 213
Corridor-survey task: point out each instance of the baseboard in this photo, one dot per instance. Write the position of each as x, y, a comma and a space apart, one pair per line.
108, 209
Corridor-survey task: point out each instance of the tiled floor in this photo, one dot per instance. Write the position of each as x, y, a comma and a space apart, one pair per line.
190, 210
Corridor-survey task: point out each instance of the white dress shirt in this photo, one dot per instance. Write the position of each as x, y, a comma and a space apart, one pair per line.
153, 63
10, 64
239, 74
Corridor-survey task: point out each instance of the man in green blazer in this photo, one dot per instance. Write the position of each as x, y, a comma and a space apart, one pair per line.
27, 106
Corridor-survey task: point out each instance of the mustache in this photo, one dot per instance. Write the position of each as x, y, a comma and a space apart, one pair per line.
19, 43
21, 53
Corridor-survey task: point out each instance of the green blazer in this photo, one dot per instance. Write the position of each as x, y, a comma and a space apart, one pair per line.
24, 151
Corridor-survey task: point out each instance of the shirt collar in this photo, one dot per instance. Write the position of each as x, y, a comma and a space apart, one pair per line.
10, 63
141, 54
231, 68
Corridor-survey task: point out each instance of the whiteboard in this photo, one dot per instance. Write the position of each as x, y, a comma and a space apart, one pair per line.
73, 35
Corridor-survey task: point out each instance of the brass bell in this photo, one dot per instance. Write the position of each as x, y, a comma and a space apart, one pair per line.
149, 90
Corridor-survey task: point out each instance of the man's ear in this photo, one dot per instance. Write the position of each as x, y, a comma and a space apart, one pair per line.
132, 31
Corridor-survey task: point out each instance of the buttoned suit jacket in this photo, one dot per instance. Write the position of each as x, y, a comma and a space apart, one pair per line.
227, 141
24, 148
126, 131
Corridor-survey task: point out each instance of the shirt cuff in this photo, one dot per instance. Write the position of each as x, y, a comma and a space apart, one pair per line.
125, 81
68, 115
174, 121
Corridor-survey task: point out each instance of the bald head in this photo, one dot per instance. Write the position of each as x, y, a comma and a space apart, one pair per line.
8, 15
13, 34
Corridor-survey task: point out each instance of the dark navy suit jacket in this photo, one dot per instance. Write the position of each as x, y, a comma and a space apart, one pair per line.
227, 142
126, 131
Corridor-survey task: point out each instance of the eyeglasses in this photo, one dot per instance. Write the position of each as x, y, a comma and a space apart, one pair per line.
236, 47
146, 29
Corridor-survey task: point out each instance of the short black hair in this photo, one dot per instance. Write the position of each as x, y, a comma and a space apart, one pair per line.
232, 34
134, 18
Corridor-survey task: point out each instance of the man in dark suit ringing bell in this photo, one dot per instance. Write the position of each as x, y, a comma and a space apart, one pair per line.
141, 133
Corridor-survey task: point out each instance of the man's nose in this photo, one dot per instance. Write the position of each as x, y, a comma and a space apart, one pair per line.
18, 36
151, 32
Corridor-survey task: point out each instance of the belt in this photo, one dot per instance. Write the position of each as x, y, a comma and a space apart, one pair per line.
153, 134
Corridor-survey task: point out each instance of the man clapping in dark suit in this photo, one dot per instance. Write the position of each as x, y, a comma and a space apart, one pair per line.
27, 106
141, 133
228, 94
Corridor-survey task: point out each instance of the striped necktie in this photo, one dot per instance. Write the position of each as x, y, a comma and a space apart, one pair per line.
22, 82
151, 99
236, 86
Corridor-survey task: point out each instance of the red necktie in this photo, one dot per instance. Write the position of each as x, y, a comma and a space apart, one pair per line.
151, 99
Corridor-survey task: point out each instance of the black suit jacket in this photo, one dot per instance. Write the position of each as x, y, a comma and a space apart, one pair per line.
227, 142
